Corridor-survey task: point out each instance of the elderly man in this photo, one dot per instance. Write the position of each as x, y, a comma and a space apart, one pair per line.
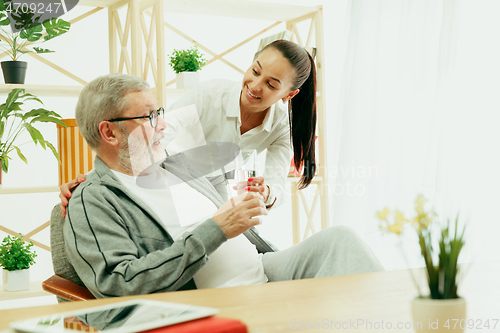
144, 223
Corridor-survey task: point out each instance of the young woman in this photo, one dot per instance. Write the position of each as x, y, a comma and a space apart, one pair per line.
254, 115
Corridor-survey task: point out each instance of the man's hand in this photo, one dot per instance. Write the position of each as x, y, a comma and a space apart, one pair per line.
66, 190
238, 214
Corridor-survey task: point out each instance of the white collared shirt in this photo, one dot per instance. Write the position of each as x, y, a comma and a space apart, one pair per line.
218, 106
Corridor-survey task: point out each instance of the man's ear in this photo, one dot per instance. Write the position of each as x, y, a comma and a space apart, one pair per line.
290, 95
109, 133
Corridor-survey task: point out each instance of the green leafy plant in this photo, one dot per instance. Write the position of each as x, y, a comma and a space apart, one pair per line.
16, 254
13, 122
190, 60
441, 261
30, 30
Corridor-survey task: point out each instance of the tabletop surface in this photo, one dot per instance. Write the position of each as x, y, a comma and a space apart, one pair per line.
358, 303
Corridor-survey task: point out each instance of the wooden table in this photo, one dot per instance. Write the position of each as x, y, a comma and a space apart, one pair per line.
378, 298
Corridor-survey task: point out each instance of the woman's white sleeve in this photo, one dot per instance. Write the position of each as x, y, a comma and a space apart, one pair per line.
278, 157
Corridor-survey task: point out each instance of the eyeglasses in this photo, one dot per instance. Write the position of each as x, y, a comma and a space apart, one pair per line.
153, 117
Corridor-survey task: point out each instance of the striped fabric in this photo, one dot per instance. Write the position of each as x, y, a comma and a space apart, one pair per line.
76, 156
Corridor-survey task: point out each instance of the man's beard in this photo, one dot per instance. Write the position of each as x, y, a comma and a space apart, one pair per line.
137, 155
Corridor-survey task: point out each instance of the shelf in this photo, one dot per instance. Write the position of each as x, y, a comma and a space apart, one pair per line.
34, 291
22, 190
67, 91
98, 3
229, 8
43, 90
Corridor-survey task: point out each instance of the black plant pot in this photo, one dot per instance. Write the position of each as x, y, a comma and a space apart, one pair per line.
14, 71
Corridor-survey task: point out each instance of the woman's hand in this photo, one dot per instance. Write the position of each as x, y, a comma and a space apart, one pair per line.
66, 190
255, 184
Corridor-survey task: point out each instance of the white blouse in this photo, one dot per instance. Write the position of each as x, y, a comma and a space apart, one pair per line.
217, 119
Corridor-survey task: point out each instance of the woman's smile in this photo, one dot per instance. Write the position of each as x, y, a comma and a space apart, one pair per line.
249, 93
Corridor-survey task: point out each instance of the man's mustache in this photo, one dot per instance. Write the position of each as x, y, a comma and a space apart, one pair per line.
158, 137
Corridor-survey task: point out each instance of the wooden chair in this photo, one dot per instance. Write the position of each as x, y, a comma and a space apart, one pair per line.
65, 284
76, 157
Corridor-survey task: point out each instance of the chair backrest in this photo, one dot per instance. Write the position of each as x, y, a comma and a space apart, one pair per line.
76, 156
60, 262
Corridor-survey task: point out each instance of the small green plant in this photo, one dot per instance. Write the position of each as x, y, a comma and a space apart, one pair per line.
16, 254
441, 262
13, 122
30, 30
190, 60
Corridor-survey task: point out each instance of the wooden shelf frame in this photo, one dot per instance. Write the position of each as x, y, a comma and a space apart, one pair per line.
133, 31
69, 91
29, 236
49, 63
291, 16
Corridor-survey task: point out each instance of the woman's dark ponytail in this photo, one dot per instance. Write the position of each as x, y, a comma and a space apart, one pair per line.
301, 109
302, 112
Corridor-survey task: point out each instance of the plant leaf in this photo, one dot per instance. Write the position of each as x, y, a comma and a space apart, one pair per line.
36, 113
35, 134
24, 19
40, 50
46, 119
5, 165
54, 151
55, 27
29, 96
16, 106
4, 19
21, 154
12, 98
32, 34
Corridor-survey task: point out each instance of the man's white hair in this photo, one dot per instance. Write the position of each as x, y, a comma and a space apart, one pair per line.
103, 99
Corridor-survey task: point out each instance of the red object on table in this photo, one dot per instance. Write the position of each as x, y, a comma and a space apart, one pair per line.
210, 324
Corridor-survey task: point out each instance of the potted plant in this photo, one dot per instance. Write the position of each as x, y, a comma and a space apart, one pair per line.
442, 310
27, 30
186, 64
13, 122
16, 258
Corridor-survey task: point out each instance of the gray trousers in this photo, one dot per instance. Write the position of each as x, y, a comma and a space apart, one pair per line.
334, 251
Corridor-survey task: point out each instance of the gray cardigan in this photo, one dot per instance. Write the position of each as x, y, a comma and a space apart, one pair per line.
118, 246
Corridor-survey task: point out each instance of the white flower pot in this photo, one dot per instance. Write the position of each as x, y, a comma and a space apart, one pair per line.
187, 80
16, 280
439, 315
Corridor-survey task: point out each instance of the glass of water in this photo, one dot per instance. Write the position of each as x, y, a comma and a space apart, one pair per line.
245, 167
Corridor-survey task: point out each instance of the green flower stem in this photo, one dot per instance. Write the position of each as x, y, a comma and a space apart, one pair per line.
441, 277
411, 272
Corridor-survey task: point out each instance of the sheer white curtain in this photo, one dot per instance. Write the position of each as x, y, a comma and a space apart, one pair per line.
406, 123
